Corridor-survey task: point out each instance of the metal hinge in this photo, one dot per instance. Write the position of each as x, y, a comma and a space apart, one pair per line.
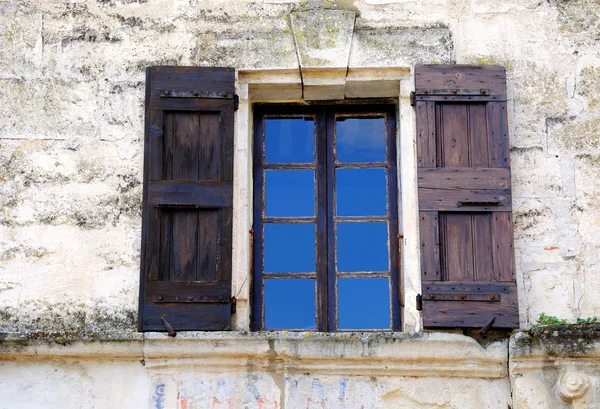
419, 302
412, 99
233, 305
236, 102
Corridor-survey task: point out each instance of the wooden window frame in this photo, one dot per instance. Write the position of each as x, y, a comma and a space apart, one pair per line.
324, 166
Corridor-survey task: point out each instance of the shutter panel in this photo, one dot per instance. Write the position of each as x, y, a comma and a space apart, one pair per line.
468, 266
188, 188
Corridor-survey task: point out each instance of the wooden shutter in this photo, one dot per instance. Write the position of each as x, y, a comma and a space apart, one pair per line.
468, 266
188, 187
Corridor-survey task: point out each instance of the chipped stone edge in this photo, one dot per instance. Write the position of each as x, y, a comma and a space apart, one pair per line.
365, 354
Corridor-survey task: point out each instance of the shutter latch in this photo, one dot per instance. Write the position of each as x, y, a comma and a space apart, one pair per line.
168, 327
233, 305
412, 99
419, 302
236, 102
486, 328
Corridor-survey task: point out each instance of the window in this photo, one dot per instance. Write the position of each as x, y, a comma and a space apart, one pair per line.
326, 253
325, 218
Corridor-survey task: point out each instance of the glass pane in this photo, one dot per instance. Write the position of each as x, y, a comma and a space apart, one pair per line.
290, 193
362, 246
289, 248
290, 303
363, 303
360, 140
289, 140
360, 192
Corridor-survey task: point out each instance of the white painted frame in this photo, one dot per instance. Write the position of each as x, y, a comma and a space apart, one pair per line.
286, 86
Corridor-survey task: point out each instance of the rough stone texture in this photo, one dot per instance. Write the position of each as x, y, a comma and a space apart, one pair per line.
71, 129
276, 370
556, 367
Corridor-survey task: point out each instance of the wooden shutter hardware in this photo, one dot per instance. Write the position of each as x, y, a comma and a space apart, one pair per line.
453, 91
198, 298
419, 302
464, 297
473, 203
175, 93
168, 327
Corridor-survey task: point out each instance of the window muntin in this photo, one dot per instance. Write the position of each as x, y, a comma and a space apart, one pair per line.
346, 250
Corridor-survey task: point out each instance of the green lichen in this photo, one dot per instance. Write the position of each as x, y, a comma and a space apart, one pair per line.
491, 60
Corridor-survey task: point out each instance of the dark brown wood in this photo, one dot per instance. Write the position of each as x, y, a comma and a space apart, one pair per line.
465, 198
430, 245
457, 242
186, 233
190, 193
492, 77
426, 146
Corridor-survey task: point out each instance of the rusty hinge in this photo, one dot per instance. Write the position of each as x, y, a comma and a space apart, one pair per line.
463, 297
454, 91
236, 102
478, 203
174, 93
190, 298
233, 304
419, 302
412, 99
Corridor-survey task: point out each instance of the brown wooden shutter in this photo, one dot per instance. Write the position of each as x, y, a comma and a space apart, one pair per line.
188, 188
468, 266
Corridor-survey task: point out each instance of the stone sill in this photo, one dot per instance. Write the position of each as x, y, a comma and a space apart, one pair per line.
367, 354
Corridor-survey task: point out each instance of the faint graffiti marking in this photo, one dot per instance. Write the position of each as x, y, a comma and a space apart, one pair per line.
159, 396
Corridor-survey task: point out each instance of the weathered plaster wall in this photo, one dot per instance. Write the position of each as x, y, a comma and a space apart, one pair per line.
71, 136
71, 91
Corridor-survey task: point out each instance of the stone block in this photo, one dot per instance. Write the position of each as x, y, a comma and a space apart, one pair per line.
400, 47
248, 50
20, 41
40, 109
323, 37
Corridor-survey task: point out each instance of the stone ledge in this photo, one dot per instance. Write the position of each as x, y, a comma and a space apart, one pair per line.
556, 346
367, 354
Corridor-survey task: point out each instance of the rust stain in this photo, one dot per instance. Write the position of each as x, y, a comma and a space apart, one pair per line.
551, 248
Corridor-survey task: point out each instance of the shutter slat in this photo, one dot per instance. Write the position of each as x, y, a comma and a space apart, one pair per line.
188, 189
465, 201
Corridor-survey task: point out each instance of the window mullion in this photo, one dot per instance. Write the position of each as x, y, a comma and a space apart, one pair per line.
330, 237
322, 222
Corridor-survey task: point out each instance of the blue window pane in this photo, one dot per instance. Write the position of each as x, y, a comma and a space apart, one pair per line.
290, 303
289, 140
360, 140
290, 193
363, 303
362, 246
289, 248
361, 192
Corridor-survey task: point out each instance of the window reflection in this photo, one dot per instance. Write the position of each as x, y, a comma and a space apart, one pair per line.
363, 303
289, 140
289, 248
290, 303
290, 193
361, 192
362, 246
360, 140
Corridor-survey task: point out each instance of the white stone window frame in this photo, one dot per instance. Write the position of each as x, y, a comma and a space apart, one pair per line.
273, 86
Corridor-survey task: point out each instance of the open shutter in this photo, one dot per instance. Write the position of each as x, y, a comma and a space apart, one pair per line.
188, 188
468, 266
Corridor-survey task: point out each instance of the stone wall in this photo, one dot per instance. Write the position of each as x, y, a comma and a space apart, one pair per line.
71, 129
71, 146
